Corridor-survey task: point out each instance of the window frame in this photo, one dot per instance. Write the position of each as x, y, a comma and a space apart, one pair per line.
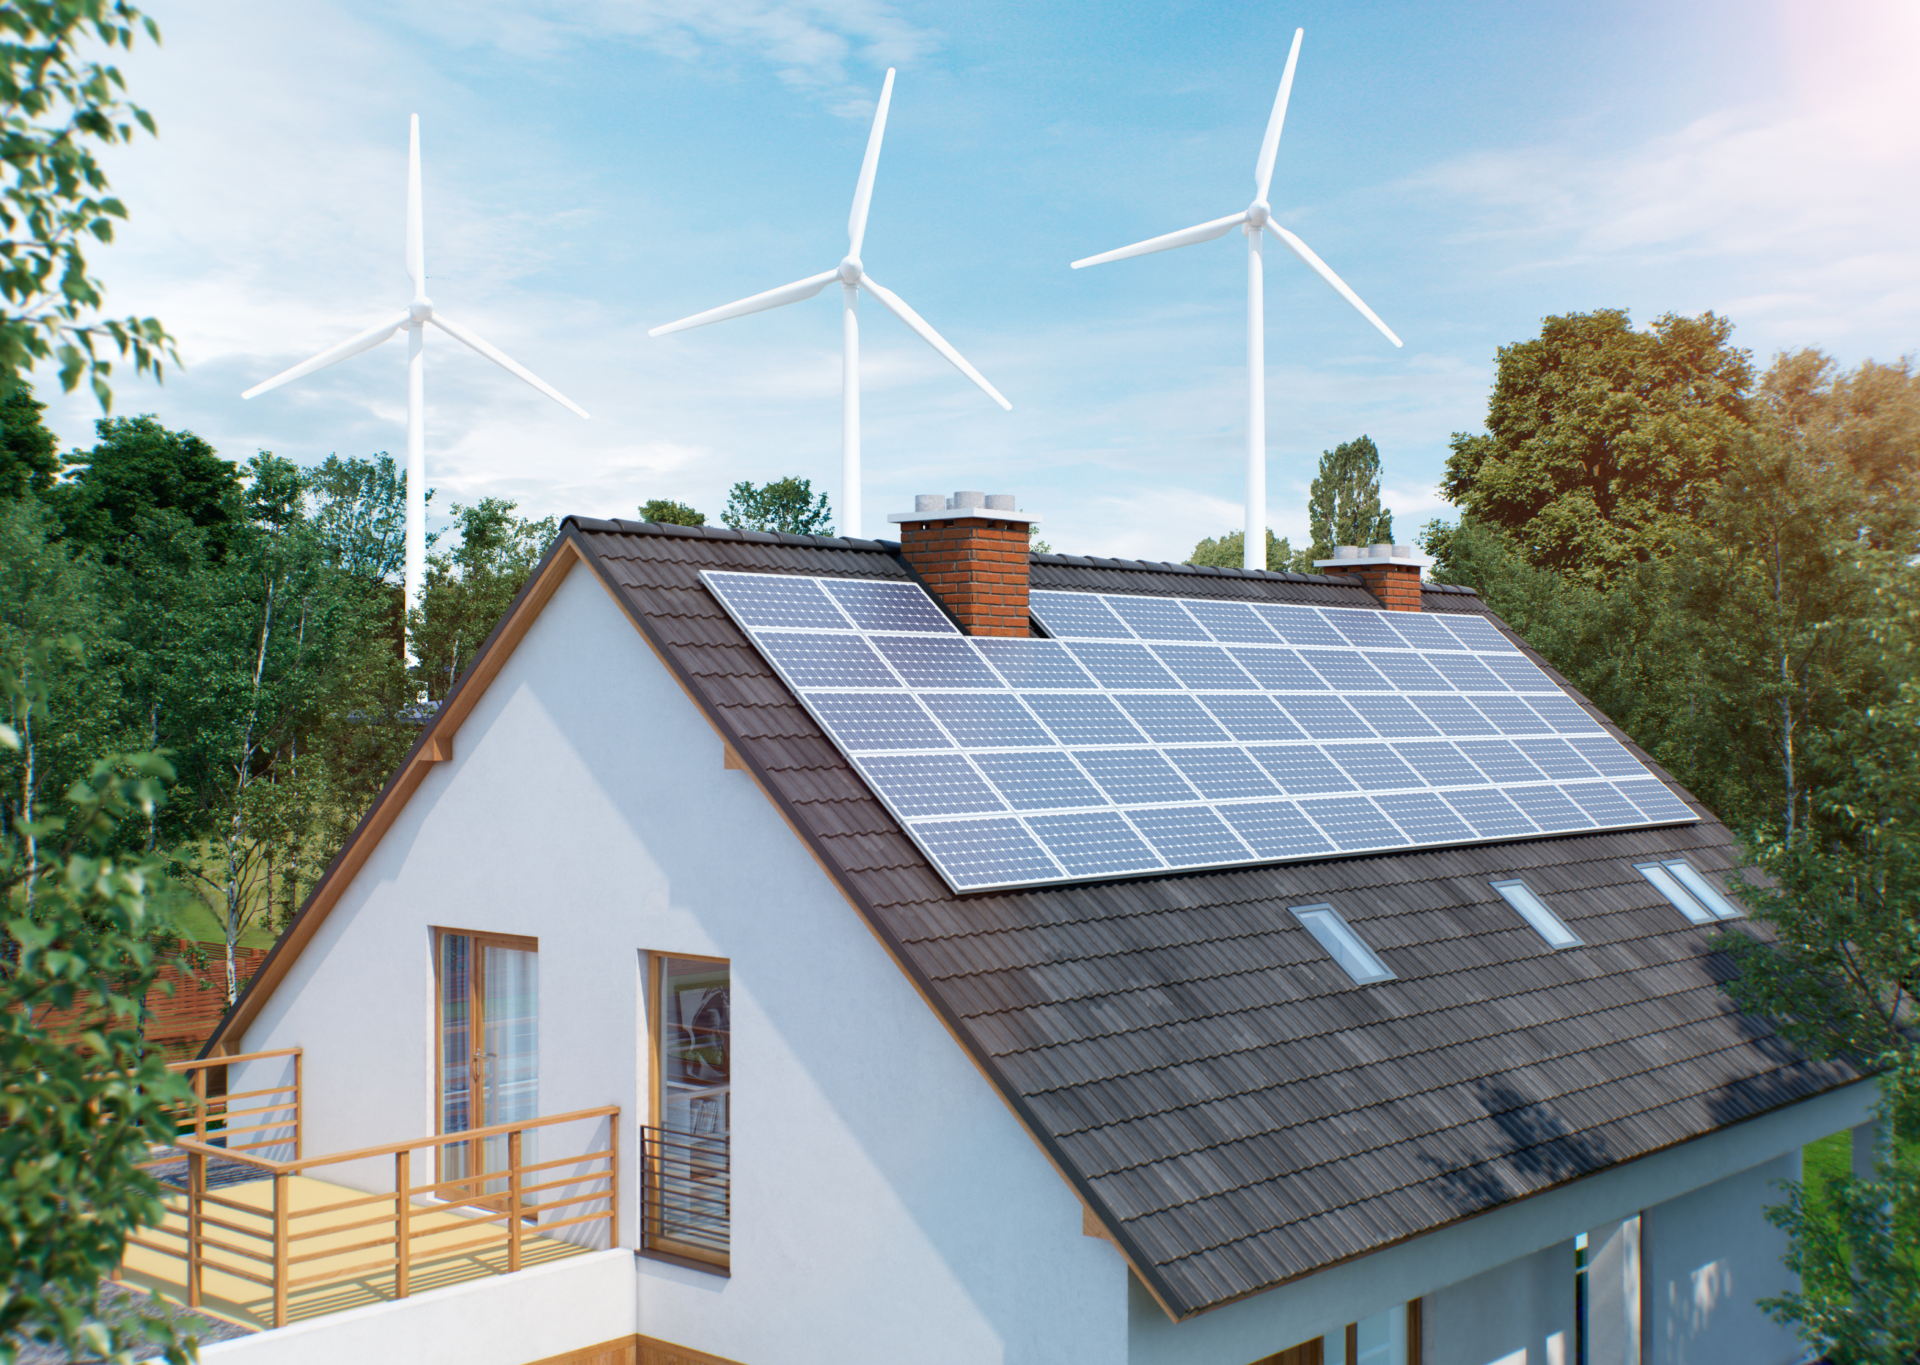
1536, 905
1345, 935
1717, 902
477, 939
653, 1245
1660, 876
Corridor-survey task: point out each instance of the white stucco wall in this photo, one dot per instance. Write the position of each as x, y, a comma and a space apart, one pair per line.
1518, 1314
1706, 1257
887, 1207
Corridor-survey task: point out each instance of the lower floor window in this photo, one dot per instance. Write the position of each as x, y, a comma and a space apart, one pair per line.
688, 1150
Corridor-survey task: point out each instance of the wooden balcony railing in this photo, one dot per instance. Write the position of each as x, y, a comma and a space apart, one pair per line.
214, 1118
686, 1201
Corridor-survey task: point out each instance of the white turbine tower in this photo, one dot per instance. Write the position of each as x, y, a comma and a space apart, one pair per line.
419, 313
1251, 221
853, 278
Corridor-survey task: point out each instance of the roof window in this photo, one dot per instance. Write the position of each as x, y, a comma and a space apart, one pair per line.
1534, 911
1342, 944
1692, 894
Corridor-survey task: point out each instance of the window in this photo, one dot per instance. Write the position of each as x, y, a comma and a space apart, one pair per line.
489, 1049
1534, 911
687, 1200
1342, 944
1691, 894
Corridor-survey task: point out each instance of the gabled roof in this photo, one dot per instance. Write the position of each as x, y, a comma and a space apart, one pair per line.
1230, 1106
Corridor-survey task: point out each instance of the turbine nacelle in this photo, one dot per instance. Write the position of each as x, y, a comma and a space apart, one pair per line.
420, 310
850, 270
1259, 212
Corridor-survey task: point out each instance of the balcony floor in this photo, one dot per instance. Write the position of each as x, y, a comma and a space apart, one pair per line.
343, 1279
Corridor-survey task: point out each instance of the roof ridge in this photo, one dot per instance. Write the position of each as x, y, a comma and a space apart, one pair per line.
620, 526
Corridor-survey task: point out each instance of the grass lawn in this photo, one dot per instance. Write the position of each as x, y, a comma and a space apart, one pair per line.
199, 924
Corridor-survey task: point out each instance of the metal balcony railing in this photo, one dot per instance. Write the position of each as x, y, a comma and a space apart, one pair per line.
686, 1199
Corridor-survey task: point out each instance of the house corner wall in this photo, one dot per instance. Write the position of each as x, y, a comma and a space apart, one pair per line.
1521, 1313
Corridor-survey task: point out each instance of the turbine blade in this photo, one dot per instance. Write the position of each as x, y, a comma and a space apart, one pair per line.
352, 346
898, 307
416, 234
1325, 272
1270, 144
863, 192
759, 303
505, 362
1205, 232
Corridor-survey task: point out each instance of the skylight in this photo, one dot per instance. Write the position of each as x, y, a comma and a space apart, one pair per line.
1703, 890
1342, 944
1692, 894
1534, 911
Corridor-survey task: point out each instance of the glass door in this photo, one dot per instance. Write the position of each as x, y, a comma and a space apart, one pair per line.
489, 1014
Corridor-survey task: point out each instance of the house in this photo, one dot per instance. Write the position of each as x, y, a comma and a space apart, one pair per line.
1454, 1096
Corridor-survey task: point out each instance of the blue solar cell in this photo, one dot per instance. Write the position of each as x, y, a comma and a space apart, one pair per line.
1549, 809
1276, 829
1302, 768
1122, 666
1156, 618
1299, 625
1491, 814
1466, 673
876, 720
1353, 822
1083, 718
1606, 754
1346, 671
1192, 836
1279, 670
1230, 622
1422, 632
1565, 714
1656, 801
1373, 766
1365, 628
1408, 672
985, 852
1556, 759
1325, 717
986, 720
1607, 806
1205, 668
1393, 717
1425, 818
930, 784
1499, 760
765, 599
1512, 716
1044, 781
1033, 663
1518, 672
1222, 774
936, 663
1076, 616
1172, 720
1254, 718
1097, 844
890, 606
1133, 776
827, 661
1477, 633
1440, 764
1453, 716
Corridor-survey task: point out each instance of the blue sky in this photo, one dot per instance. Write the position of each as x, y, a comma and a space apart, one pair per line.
597, 167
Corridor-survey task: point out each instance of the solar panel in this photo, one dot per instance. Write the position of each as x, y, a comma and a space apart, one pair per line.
1154, 733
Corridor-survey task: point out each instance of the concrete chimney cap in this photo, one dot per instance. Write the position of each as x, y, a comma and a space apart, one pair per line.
1000, 502
1353, 556
967, 498
929, 502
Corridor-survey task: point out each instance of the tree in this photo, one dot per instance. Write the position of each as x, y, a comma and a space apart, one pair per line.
137, 468
785, 505
1344, 505
29, 453
360, 514
1603, 442
55, 109
469, 588
1224, 552
667, 513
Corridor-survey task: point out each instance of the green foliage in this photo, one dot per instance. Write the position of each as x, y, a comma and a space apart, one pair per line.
1859, 1265
1035, 545
667, 513
77, 1114
1225, 552
29, 453
1344, 504
1603, 442
55, 109
139, 468
470, 587
785, 505
360, 514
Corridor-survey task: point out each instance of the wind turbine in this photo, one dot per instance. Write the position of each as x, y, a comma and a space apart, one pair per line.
419, 313
1251, 221
853, 277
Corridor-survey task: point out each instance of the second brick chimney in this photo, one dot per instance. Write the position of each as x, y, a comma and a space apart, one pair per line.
971, 551
1390, 572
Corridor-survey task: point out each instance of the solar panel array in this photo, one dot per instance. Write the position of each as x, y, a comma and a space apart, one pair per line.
1153, 734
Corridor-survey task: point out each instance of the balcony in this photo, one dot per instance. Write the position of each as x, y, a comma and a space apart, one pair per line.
259, 1232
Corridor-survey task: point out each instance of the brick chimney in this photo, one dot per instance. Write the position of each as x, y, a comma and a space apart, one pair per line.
1390, 572
971, 549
